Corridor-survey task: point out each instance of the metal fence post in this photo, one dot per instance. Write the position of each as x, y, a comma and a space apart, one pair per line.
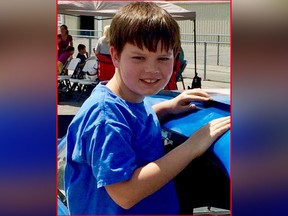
205, 56
90, 45
218, 40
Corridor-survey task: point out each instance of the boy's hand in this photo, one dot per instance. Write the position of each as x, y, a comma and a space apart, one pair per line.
203, 138
182, 103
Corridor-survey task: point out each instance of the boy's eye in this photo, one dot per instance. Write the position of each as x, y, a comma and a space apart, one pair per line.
138, 57
164, 59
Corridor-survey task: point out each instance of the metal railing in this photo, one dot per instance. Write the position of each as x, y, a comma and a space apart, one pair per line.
209, 54
218, 55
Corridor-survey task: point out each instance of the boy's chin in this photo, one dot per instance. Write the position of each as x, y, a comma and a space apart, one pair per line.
153, 92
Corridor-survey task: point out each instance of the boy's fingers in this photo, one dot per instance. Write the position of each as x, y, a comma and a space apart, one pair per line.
223, 122
221, 119
190, 98
199, 92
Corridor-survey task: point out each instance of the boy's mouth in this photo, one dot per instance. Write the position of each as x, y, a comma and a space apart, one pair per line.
150, 81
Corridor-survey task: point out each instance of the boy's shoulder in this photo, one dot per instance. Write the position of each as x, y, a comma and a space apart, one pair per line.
104, 106
101, 96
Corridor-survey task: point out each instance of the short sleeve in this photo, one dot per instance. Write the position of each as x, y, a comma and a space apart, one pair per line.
112, 157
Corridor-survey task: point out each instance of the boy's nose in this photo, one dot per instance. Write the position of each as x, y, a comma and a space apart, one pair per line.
152, 67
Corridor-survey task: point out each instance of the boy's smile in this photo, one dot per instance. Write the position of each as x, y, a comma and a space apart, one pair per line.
140, 72
149, 81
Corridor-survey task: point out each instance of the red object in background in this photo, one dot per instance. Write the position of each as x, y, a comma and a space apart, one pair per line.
172, 84
106, 68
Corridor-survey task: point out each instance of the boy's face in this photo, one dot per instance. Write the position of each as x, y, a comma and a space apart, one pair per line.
83, 51
142, 72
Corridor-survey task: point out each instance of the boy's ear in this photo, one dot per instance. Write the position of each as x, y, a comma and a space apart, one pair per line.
114, 56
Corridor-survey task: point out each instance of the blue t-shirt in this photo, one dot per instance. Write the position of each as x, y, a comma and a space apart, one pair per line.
108, 139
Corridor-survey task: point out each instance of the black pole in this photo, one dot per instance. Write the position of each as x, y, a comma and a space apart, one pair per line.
195, 60
196, 82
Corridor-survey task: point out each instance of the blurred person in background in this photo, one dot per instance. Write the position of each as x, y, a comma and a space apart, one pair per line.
102, 46
66, 55
64, 39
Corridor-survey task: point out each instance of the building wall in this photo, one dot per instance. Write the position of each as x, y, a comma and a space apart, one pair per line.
211, 18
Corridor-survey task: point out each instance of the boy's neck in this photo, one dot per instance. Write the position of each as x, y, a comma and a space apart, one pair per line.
117, 86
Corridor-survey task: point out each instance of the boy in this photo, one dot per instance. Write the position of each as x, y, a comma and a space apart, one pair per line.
82, 54
115, 154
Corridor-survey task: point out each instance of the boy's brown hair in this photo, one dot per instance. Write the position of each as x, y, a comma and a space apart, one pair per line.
81, 47
144, 24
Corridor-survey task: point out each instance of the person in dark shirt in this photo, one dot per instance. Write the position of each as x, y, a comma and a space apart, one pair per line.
82, 54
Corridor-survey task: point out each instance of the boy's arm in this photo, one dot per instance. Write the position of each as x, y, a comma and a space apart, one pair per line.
181, 103
163, 109
151, 177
